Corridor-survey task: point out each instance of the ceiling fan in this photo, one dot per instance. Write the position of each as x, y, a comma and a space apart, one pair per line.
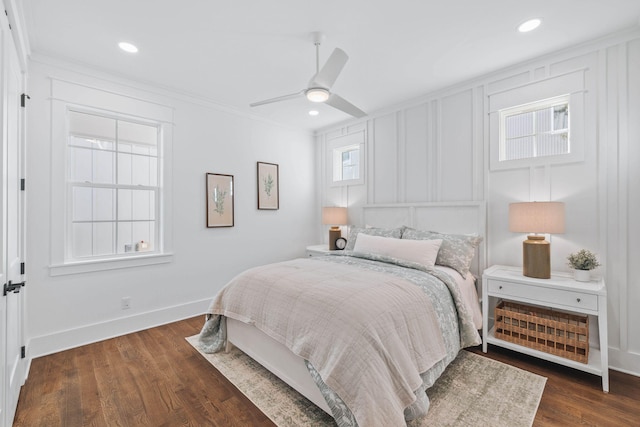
319, 88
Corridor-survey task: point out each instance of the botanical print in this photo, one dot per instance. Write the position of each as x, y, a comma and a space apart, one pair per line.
218, 196
268, 187
219, 200
268, 184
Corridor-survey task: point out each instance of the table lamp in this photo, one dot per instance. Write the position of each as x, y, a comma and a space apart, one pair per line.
536, 217
334, 216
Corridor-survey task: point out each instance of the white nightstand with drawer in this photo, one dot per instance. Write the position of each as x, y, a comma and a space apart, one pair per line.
320, 250
562, 292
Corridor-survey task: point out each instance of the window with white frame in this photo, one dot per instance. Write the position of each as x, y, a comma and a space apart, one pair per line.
112, 186
537, 129
111, 179
346, 153
346, 163
542, 122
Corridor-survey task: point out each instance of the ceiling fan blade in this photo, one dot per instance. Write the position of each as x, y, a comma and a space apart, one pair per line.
343, 105
327, 76
278, 99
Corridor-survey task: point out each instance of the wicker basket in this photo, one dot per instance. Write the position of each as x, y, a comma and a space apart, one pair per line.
558, 333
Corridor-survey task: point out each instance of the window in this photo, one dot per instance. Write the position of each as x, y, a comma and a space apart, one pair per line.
346, 154
535, 130
346, 163
541, 122
112, 186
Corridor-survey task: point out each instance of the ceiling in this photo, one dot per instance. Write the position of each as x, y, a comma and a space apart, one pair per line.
237, 52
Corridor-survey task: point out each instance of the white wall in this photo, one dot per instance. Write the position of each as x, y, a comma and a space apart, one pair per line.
70, 310
437, 148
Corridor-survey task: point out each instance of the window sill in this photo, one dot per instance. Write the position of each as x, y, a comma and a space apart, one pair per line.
79, 267
347, 182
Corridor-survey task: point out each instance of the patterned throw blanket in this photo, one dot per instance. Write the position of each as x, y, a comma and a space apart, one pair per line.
373, 340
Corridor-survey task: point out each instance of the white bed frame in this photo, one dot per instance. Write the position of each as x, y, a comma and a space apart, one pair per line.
445, 217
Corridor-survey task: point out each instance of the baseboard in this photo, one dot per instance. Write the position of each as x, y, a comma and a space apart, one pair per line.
626, 362
72, 338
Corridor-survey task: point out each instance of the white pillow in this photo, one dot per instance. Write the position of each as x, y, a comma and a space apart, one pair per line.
423, 252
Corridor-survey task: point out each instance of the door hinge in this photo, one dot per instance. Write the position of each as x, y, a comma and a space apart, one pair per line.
22, 268
23, 352
23, 99
12, 287
22, 184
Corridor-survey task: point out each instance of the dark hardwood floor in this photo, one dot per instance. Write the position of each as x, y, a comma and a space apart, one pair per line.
155, 378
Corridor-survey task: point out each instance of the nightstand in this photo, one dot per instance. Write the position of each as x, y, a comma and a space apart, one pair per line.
318, 250
561, 292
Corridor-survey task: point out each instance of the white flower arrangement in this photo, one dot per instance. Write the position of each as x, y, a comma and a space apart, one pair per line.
583, 260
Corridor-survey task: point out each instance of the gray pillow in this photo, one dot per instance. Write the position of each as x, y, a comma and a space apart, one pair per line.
456, 251
382, 232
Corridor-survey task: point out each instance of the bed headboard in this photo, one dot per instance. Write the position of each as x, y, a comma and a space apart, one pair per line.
445, 217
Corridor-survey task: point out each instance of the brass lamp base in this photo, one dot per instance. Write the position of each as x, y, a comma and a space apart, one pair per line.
536, 257
334, 234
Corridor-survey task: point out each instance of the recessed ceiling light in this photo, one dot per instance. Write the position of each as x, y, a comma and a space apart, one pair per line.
529, 25
314, 112
128, 47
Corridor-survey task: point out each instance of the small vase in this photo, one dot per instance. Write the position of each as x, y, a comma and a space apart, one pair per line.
582, 275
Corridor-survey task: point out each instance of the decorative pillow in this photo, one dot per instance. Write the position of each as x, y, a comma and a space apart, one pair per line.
423, 252
389, 260
456, 251
371, 231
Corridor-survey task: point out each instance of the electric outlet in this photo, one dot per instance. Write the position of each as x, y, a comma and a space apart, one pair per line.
126, 303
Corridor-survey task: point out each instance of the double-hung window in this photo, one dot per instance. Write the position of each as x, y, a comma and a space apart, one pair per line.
113, 189
111, 186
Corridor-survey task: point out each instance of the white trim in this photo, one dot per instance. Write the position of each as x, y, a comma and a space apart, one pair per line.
76, 337
349, 140
78, 267
574, 84
15, 15
619, 358
532, 107
622, 217
96, 98
86, 71
557, 56
66, 94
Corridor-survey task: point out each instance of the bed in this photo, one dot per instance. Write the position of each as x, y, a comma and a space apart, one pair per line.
387, 373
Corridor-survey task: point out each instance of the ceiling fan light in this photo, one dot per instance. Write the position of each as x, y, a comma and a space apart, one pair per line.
317, 95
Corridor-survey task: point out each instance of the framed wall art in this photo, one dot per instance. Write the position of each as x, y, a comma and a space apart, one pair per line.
268, 186
219, 200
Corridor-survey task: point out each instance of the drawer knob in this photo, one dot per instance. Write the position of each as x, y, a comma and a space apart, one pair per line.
578, 299
500, 287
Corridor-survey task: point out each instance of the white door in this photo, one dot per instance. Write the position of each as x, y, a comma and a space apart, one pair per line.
12, 235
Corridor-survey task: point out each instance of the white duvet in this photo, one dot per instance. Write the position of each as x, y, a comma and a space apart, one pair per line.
368, 338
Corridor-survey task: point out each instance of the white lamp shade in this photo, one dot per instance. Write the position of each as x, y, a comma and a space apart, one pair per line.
334, 216
536, 217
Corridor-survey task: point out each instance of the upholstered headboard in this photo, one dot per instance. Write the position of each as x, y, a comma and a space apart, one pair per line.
444, 217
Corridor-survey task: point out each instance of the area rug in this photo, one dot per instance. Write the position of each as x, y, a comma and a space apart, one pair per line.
473, 391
